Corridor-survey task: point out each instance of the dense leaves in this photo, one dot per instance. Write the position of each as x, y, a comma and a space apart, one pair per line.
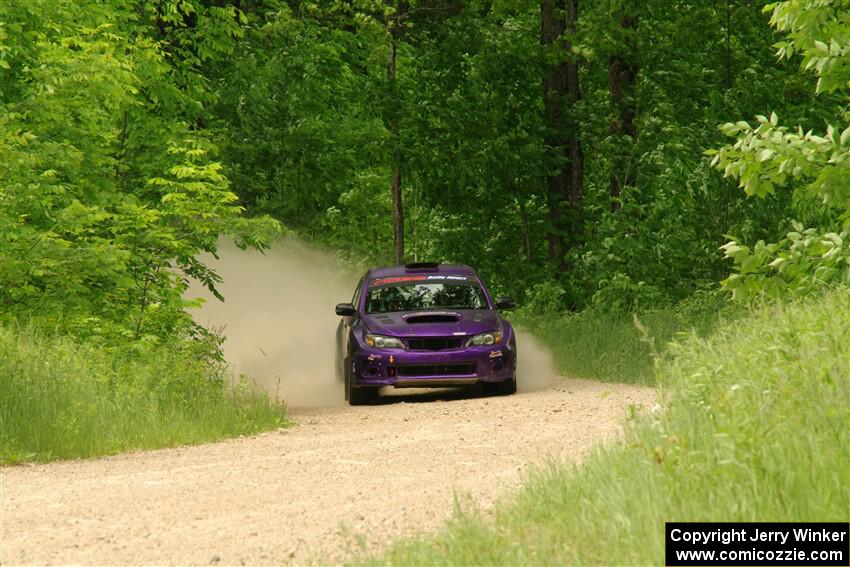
305, 98
107, 184
769, 157
560, 147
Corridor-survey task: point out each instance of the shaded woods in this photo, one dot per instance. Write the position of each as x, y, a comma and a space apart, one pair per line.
561, 147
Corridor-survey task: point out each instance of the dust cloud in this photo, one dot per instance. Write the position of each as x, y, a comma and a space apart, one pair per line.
278, 317
535, 367
280, 326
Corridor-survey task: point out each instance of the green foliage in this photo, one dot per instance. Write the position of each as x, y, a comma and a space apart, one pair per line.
288, 105
108, 191
301, 119
302, 134
801, 263
606, 343
64, 398
543, 299
820, 32
770, 156
754, 429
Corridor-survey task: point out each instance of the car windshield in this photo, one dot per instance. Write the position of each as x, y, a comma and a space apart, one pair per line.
424, 295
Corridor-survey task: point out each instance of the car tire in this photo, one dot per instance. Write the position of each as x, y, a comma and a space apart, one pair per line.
346, 379
357, 396
505, 388
362, 396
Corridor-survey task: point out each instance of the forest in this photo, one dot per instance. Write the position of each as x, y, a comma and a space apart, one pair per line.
615, 154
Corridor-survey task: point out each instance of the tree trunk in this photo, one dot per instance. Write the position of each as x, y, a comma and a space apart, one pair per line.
576, 153
727, 59
526, 238
392, 125
622, 72
561, 92
398, 208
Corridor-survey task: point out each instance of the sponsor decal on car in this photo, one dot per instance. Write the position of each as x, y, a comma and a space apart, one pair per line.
421, 278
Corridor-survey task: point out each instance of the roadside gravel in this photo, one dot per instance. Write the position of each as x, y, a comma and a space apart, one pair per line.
342, 478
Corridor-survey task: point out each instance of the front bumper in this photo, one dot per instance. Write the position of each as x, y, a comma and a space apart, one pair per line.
404, 368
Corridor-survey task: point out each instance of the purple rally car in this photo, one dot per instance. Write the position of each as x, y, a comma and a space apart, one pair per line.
424, 325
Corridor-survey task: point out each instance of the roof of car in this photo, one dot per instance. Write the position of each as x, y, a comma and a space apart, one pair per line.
391, 271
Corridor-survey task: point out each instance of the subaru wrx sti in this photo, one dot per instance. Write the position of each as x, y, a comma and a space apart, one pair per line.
424, 325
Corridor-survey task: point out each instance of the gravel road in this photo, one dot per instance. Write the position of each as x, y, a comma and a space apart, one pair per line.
342, 478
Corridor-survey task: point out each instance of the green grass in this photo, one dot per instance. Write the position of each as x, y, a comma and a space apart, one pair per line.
60, 398
611, 347
755, 427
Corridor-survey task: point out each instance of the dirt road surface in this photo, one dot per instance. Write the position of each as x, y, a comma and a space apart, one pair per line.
304, 494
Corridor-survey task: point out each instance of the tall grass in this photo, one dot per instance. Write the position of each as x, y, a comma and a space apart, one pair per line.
60, 398
620, 347
754, 428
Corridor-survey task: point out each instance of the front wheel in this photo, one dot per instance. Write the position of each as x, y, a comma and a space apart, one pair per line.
357, 396
362, 396
505, 388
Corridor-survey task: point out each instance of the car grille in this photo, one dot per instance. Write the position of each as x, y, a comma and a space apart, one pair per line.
436, 369
434, 343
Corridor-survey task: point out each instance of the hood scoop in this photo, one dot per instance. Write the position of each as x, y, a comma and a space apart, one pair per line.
433, 318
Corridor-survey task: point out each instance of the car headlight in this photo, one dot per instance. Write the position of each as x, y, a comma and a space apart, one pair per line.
491, 338
379, 341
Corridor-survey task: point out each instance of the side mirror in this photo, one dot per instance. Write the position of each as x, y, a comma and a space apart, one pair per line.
505, 302
345, 310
